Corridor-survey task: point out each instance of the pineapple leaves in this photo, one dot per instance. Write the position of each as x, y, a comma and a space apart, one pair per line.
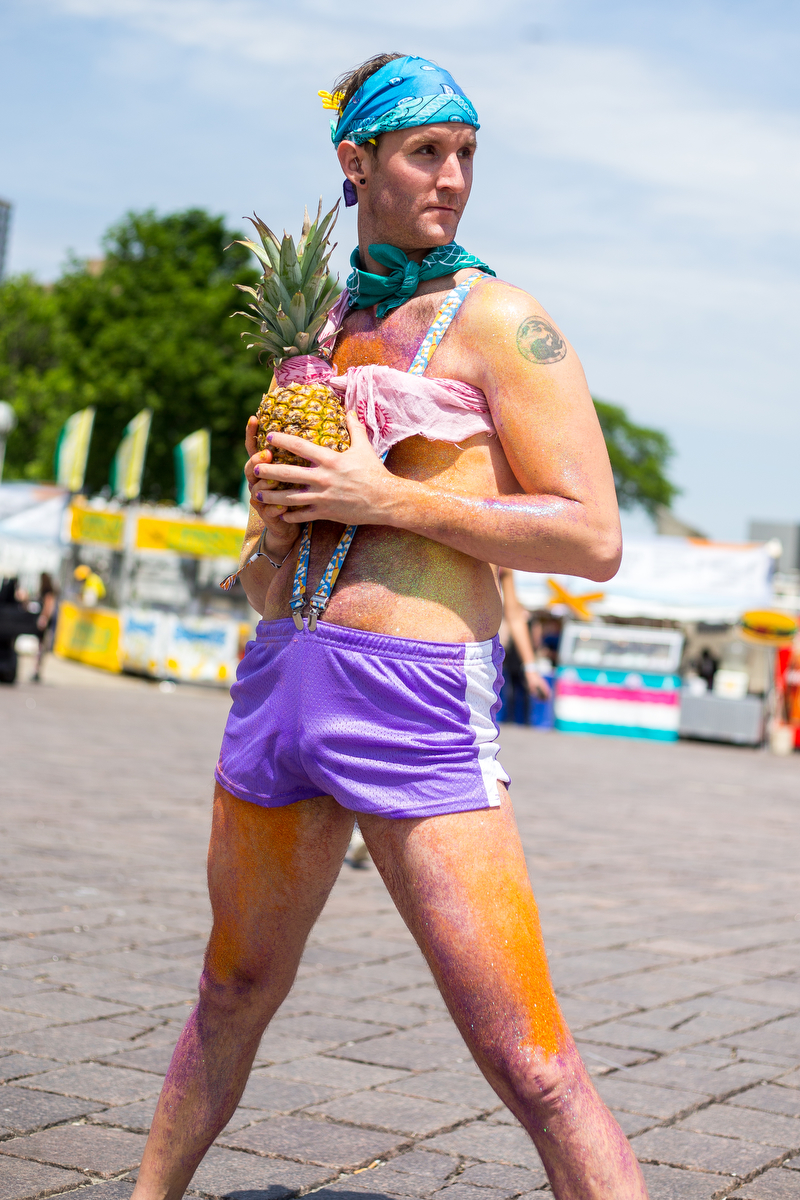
296, 287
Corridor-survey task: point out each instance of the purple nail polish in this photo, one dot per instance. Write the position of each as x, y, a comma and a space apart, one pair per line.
269, 437
259, 496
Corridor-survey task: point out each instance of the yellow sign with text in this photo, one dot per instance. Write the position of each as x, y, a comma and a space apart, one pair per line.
189, 537
94, 525
89, 635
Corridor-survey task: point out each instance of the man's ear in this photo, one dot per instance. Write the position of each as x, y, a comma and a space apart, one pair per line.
354, 162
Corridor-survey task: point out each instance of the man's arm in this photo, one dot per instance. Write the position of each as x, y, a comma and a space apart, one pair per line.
564, 517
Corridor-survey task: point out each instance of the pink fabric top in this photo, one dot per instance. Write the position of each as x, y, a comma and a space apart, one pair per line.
393, 405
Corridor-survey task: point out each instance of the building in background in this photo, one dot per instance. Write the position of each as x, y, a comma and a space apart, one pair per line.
785, 532
5, 224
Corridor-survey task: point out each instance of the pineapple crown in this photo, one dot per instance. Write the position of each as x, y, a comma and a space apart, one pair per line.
296, 288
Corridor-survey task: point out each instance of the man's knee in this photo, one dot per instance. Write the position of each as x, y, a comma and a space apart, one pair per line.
238, 979
535, 1082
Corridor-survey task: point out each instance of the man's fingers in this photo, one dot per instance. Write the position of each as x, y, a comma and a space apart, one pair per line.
357, 431
251, 432
260, 456
320, 455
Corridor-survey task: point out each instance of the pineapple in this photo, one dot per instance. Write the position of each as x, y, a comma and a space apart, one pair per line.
291, 303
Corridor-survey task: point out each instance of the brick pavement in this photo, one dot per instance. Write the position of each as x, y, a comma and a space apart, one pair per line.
666, 877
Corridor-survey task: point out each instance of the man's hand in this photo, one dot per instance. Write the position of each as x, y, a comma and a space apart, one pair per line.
280, 535
353, 488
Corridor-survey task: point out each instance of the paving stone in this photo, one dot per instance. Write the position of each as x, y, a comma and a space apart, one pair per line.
275, 1048
404, 1050
91, 1081
104, 1152
20, 1180
467, 1191
23, 1111
137, 1117
771, 1129
115, 1189
649, 1100
701, 1152
666, 1183
414, 1173
448, 1087
66, 1044
13, 954
632, 1123
64, 1008
276, 1096
16, 1023
511, 1181
155, 1059
310, 1141
18, 1066
768, 1097
333, 1030
489, 1143
395, 1113
780, 1037
228, 1173
333, 1072
772, 1185
677, 1072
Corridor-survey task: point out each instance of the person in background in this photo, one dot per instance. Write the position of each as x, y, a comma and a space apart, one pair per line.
93, 589
707, 666
46, 621
520, 670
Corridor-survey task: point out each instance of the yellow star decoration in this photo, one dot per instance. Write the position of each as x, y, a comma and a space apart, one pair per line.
578, 604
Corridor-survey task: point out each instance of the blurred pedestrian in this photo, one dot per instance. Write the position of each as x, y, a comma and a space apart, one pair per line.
93, 589
521, 670
46, 621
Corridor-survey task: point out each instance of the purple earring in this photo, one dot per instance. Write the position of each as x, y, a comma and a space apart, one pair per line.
350, 194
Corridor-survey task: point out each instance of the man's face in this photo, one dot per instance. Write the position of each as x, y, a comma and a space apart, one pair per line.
418, 183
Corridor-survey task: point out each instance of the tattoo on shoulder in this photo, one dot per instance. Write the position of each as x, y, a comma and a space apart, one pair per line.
539, 342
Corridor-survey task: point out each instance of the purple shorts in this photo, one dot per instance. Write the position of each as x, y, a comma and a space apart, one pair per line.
385, 725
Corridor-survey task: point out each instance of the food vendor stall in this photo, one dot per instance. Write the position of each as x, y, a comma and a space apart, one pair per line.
627, 663
163, 613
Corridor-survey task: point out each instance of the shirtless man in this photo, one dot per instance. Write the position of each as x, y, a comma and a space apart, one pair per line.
414, 613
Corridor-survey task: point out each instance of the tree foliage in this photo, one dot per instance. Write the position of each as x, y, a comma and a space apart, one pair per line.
639, 458
150, 329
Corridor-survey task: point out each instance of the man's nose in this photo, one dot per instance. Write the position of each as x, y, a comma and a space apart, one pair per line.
451, 176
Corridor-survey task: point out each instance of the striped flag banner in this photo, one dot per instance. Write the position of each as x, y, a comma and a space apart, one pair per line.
72, 449
192, 458
128, 465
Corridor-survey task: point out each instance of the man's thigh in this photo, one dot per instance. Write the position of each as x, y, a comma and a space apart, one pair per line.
461, 884
270, 871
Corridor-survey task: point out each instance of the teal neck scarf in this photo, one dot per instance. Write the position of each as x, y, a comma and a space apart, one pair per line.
392, 290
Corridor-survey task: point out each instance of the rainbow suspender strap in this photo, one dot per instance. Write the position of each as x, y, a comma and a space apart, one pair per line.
319, 601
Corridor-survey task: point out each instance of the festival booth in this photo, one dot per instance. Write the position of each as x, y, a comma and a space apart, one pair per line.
628, 647
157, 608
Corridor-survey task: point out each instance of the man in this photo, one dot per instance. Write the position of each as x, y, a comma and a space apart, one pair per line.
403, 658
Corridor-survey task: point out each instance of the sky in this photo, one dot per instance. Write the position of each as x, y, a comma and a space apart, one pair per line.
638, 172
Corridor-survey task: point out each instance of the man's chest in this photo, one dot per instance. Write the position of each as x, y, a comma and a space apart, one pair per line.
390, 342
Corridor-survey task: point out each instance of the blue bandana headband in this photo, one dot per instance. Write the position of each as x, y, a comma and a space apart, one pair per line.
405, 92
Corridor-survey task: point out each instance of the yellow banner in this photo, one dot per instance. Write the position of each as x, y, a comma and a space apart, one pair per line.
185, 537
94, 525
89, 635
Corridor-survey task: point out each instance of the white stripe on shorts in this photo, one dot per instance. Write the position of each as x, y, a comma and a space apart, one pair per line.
480, 696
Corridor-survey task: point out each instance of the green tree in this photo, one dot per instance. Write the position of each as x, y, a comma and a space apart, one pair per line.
150, 329
639, 458
33, 378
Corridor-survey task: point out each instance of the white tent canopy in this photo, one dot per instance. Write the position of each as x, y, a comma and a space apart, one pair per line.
670, 578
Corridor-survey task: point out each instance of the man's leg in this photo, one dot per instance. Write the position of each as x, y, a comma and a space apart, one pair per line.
461, 884
269, 873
